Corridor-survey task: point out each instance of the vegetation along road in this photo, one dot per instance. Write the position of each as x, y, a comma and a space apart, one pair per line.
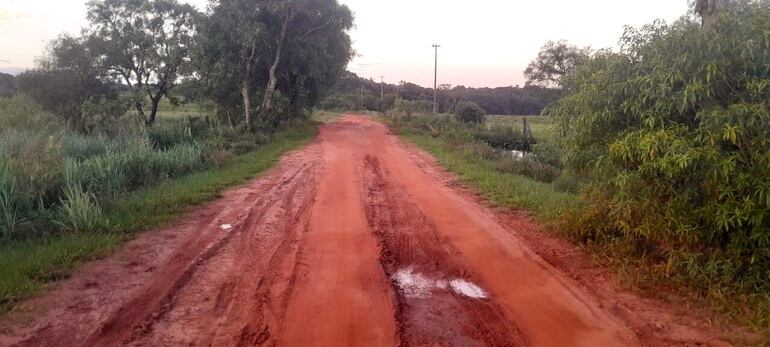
357, 239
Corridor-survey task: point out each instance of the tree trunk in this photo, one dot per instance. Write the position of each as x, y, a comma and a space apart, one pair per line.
246, 93
140, 110
267, 102
710, 10
246, 89
153, 112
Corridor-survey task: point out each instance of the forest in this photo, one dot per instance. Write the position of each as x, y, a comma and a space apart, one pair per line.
356, 93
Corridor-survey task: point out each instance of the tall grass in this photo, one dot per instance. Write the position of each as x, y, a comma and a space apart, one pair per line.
79, 211
9, 217
26, 265
53, 179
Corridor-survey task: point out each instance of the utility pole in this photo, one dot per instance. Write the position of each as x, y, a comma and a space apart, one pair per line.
435, 79
382, 94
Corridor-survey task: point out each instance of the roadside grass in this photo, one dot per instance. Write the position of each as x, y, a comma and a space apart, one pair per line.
507, 189
28, 266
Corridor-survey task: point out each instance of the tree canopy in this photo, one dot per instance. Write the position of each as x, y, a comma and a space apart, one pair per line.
290, 52
555, 60
144, 43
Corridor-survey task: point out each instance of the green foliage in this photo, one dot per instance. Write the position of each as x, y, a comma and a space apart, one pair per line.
7, 85
27, 265
297, 48
9, 215
354, 93
555, 60
66, 83
504, 137
507, 188
145, 43
468, 112
674, 132
79, 211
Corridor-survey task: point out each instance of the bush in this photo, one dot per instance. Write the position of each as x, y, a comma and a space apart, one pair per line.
674, 132
468, 112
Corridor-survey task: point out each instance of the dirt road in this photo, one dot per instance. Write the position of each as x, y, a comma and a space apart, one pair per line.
355, 240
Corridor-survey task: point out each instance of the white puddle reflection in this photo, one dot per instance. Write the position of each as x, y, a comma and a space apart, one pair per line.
416, 285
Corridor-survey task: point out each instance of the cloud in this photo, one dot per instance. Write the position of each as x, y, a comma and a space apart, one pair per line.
3, 61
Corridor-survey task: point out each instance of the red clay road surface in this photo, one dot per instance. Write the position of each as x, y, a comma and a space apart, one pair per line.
356, 240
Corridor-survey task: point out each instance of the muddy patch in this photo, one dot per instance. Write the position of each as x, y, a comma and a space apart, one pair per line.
440, 301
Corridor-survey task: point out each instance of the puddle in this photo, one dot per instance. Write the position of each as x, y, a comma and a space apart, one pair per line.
468, 289
416, 285
226, 226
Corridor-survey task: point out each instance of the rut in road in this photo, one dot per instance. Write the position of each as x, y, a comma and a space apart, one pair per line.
351, 241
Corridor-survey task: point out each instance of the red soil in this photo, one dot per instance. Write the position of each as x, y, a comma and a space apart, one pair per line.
355, 240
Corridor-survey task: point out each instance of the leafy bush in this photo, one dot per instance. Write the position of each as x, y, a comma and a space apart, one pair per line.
674, 131
468, 112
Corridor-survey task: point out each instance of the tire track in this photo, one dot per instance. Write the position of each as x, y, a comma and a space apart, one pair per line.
428, 314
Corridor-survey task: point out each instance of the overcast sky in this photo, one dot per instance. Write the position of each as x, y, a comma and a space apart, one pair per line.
484, 42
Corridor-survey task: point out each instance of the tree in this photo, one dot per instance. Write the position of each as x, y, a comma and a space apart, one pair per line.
231, 52
146, 44
468, 112
295, 49
555, 60
66, 78
315, 33
7, 85
709, 11
674, 132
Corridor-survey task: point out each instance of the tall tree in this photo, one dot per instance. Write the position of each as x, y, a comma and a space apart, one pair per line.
231, 51
145, 43
709, 11
316, 30
295, 47
555, 60
66, 77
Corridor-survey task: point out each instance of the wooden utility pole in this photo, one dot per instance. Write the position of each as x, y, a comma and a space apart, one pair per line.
435, 79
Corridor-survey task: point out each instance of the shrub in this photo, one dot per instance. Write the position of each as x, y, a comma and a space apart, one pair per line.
468, 112
674, 132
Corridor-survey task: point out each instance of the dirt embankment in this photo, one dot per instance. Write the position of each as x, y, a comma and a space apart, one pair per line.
357, 239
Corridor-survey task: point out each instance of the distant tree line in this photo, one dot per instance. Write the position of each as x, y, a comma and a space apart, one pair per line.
352, 92
259, 62
7, 85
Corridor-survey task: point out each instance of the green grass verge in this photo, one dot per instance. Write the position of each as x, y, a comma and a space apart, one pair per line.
26, 267
507, 189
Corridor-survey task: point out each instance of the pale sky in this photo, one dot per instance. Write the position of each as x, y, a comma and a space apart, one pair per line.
485, 43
